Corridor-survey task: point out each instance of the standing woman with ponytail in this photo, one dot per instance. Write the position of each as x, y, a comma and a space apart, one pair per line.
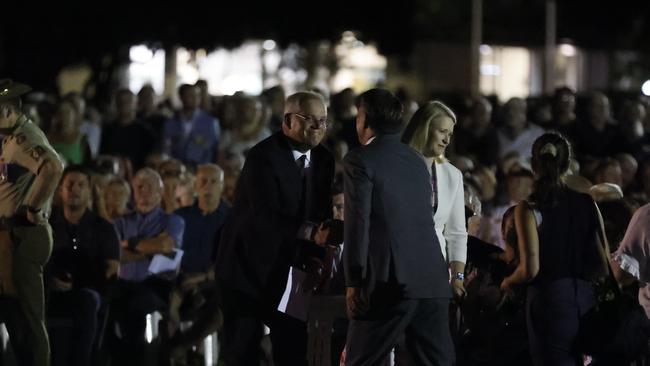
561, 255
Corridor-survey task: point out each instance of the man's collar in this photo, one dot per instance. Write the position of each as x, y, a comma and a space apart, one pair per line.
370, 140
58, 216
295, 145
297, 154
384, 137
155, 211
182, 114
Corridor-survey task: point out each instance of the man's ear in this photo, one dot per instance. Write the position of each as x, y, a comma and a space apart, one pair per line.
286, 125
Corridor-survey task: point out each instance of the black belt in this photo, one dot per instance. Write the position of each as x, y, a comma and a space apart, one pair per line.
7, 223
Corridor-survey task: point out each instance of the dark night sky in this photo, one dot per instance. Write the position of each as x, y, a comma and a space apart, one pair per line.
36, 42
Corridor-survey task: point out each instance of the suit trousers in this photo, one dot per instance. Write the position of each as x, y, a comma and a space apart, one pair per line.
424, 323
244, 320
32, 249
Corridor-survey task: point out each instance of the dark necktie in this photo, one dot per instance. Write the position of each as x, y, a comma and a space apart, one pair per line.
434, 186
302, 163
305, 178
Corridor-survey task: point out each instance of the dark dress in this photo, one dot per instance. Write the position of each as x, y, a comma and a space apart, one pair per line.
561, 292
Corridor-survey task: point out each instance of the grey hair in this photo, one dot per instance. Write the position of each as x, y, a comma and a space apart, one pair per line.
149, 173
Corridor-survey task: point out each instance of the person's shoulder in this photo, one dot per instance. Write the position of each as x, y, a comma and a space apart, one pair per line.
270, 143
581, 196
173, 222
581, 199
127, 217
173, 216
356, 153
643, 210
224, 206
29, 132
536, 129
323, 151
206, 117
101, 223
185, 212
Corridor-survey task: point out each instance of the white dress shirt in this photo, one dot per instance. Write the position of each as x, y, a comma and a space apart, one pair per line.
297, 154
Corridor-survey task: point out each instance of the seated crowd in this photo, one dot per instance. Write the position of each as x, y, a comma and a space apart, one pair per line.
146, 191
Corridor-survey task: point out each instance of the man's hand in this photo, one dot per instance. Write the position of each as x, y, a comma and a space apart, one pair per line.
321, 236
7, 287
357, 302
6, 265
506, 288
35, 218
61, 285
191, 281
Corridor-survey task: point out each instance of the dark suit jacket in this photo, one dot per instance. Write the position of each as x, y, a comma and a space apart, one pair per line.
258, 242
390, 235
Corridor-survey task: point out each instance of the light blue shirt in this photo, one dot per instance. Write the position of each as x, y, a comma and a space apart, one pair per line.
143, 226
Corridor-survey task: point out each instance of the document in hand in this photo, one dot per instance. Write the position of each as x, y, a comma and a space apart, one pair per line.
166, 262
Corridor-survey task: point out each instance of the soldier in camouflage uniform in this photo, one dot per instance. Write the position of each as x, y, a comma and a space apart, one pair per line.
29, 173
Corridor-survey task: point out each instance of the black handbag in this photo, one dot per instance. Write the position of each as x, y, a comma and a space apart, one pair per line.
615, 329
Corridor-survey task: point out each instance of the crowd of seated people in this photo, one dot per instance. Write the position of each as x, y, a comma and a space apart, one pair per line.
144, 182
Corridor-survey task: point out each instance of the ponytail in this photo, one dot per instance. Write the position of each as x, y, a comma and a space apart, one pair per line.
551, 153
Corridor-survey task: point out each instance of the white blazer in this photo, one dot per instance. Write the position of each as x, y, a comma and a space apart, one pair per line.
450, 216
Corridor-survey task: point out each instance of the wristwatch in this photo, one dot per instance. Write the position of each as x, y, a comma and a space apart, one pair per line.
459, 276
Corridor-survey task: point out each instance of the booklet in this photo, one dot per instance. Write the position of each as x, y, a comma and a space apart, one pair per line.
161, 263
295, 300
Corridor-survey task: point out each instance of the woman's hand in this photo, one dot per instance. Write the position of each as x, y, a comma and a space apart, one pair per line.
458, 290
506, 287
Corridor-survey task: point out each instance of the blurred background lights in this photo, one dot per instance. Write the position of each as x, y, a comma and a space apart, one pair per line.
645, 88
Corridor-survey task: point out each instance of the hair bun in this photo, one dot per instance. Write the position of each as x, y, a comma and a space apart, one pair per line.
549, 149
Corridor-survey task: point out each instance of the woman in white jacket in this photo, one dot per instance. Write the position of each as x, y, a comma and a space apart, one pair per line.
429, 132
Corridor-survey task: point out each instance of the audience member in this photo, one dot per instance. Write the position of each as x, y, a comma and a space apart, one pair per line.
127, 137
85, 255
516, 133
65, 136
144, 233
479, 140
192, 135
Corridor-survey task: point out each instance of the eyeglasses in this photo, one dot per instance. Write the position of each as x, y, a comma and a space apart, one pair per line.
322, 123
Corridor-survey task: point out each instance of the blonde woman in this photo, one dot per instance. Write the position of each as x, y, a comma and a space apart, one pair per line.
429, 132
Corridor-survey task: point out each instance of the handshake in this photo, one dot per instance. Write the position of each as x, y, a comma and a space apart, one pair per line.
318, 257
329, 232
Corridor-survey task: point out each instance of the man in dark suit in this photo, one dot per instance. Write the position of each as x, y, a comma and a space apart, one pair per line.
284, 186
397, 280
